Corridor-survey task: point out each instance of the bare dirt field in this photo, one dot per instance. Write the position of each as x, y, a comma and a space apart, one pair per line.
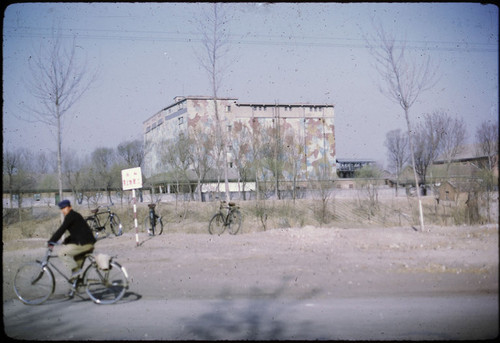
294, 283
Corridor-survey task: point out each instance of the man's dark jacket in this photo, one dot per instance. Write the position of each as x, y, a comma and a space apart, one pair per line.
79, 231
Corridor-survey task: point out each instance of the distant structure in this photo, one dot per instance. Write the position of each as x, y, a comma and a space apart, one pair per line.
307, 128
347, 167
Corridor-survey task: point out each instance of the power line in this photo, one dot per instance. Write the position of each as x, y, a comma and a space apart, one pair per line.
264, 40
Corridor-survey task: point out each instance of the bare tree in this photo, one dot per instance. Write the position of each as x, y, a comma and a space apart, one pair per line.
429, 142
199, 146
487, 140
368, 177
58, 82
294, 154
73, 170
214, 28
453, 138
322, 181
273, 155
132, 152
175, 159
242, 155
396, 143
103, 161
404, 81
19, 170
11, 166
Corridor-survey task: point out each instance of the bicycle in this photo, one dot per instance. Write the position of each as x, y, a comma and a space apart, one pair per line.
34, 282
112, 218
228, 217
153, 222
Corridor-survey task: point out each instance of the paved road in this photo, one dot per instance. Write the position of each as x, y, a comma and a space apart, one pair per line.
438, 317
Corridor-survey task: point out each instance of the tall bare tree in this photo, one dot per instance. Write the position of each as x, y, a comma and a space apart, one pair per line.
58, 82
404, 80
214, 29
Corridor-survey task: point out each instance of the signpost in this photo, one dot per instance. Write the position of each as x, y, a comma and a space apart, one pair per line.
132, 180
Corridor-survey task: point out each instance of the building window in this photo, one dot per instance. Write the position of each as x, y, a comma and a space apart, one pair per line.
181, 120
229, 128
228, 108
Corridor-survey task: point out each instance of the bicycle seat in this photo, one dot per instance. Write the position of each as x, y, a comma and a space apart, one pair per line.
151, 205
232, 203
94, 211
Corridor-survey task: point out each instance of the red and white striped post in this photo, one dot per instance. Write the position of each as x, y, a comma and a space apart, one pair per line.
135, 219
132, 180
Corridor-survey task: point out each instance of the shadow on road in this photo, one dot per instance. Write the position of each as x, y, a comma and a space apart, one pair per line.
260, 316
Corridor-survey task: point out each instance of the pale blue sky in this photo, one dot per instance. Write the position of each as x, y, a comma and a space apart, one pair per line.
283, 52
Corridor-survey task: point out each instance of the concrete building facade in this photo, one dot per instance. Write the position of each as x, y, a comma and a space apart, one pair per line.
306, 131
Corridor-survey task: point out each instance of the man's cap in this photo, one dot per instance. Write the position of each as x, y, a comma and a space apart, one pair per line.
63, 204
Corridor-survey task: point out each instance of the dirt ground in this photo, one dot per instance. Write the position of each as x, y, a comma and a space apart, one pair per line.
299, 261
294, 263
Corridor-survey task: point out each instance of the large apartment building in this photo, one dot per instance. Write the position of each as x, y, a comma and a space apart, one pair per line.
306, 129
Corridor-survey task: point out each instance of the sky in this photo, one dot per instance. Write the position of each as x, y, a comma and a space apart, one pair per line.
145, 54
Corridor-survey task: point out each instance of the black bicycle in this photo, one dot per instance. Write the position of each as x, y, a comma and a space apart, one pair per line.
111, 218
105, 282
229, 216
153, 222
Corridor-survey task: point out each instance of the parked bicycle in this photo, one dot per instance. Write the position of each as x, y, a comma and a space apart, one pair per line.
153, 223
112, 219
34, 282
229, 216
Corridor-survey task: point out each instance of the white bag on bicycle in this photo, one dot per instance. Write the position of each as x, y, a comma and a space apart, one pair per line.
102, 261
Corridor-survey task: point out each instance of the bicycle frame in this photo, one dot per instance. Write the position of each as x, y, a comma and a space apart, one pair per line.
111, 219
152, 215
98, 214
230, 208
45, 262
153, 221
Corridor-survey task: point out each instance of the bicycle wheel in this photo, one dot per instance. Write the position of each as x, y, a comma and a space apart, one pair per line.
33, 283
105, 286
234, 222
158, 230
216, 225
116, 225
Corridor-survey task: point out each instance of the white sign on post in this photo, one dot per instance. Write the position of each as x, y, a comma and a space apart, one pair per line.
131, 178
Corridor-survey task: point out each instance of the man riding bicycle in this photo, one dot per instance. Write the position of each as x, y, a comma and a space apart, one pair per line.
80, 241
